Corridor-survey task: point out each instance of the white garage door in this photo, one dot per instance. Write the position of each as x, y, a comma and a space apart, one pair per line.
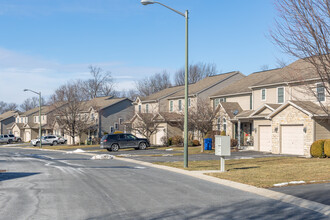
292, 139
27, 136
159, 135
265, 138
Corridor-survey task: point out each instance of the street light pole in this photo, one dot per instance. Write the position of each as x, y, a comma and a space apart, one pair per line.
38, 93
185, 142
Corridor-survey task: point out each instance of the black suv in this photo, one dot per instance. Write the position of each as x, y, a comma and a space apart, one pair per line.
114, 142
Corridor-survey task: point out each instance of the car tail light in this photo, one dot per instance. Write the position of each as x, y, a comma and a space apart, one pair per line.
105, 140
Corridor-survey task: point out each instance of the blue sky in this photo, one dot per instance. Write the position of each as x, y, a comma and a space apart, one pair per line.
45, 43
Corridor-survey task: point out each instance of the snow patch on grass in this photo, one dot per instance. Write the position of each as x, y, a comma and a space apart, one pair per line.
76, 151
290, 183
102, 157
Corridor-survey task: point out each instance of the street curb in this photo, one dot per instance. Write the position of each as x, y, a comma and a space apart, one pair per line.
303, 203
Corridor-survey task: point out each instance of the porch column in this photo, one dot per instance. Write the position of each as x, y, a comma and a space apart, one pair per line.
239, 133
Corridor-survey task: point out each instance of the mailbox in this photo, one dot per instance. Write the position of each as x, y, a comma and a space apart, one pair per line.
222, 145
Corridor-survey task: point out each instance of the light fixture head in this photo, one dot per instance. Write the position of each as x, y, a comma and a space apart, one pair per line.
25, 90
147, 2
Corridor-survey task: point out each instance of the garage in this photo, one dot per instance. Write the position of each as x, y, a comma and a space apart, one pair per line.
265, 138
292, 139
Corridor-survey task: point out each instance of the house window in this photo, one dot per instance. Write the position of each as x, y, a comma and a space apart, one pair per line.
280, 95
263, 94
171, 106
218, 100
320, 92
21, 120
189, 102
180, 105
218, 124
92, 117
111, 129
139, 108
120, 121
147, 108
35, 119
116, 126
224, 123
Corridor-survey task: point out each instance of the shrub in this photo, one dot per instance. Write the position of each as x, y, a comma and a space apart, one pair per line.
317, 149
223, 133
164, 141
327, 147
177, 140
233, 142
195, 143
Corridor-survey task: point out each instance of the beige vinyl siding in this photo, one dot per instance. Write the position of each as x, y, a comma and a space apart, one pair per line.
322, 129
243, 100
271, 96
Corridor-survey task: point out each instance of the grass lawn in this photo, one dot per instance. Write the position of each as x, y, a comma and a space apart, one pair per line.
264, 172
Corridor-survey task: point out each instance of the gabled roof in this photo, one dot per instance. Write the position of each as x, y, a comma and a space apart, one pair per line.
140, 116
271, 107
300, 70
7, 114
242, 86
168, 116
161, 94
19, 125
101, 102
307, 107
29, 112
231, 108
205, 84
244, 114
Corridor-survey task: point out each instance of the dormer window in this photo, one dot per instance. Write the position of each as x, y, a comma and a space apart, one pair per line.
147, 108
180, 105
320, 92
139, 108
171, 106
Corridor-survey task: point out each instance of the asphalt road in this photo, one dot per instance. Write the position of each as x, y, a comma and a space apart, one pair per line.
53, 185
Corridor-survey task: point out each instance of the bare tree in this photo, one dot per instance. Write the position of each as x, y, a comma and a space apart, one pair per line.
4, 107
31, 103
100, 84
152, 84
264, 67
131, 94
69, 104
201, 117
303, 32
196, 72
145, 125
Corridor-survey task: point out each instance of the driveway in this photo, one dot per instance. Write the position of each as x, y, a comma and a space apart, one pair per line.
314, 192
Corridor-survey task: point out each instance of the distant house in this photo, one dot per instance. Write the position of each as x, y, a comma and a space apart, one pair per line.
166, 106
7, 119
103, 115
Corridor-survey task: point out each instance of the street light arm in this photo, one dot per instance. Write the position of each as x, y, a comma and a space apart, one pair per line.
38, 93
180, 13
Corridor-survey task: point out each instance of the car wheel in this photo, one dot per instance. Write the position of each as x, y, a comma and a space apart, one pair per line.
114, 147
9, 141
37, 143
64, 142
142, 146
54, 143
19, 140
109, 149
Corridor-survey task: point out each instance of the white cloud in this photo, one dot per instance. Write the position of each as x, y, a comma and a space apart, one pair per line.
19, 71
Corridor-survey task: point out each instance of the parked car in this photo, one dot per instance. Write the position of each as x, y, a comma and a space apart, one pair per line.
114, 142
4, 138
13, 138
61, 140
46, 140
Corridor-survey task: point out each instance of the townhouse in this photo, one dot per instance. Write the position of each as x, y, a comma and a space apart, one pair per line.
287, 111
103, 115
167, 110
7, 119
